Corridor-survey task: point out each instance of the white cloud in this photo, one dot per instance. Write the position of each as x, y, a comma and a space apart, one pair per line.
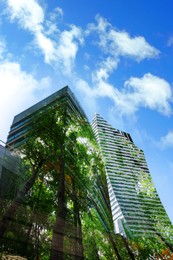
56, 13
59, 51
136, 47
28, 13
167, 140
67, 49
18, 90
88, 98
119, 43
47, 47
149, 91
106, 68
51, 23
114, 44
60, 47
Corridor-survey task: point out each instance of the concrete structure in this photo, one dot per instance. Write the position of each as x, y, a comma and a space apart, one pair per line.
135, 204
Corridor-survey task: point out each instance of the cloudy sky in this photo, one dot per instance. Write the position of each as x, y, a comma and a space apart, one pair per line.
116, 56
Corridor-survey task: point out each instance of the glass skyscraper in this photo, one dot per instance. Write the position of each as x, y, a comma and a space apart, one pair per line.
135, 204
22, 122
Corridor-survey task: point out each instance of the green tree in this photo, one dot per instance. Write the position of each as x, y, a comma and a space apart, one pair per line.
64, 200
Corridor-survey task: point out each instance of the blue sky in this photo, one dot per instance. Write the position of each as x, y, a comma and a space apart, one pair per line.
116, 56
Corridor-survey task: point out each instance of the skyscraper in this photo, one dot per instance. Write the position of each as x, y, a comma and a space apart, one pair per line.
22, 121
57, 167
9, 173
135, 204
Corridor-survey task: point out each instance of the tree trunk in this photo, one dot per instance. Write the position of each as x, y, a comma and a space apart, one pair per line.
77, 241
81, 249
128, 248
114, 246
75, 218
11, 210
57, 246
109, 234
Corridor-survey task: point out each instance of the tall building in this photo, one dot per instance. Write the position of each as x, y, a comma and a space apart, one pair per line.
135, 204
9, 173
22, 121
57, 174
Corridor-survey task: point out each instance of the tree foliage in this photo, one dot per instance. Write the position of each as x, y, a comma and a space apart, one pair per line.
62, 209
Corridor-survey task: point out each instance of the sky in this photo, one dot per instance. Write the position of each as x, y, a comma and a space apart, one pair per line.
117, 58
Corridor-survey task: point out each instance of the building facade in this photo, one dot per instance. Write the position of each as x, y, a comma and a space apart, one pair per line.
135, 204
52, 172
10, 177
21, 123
